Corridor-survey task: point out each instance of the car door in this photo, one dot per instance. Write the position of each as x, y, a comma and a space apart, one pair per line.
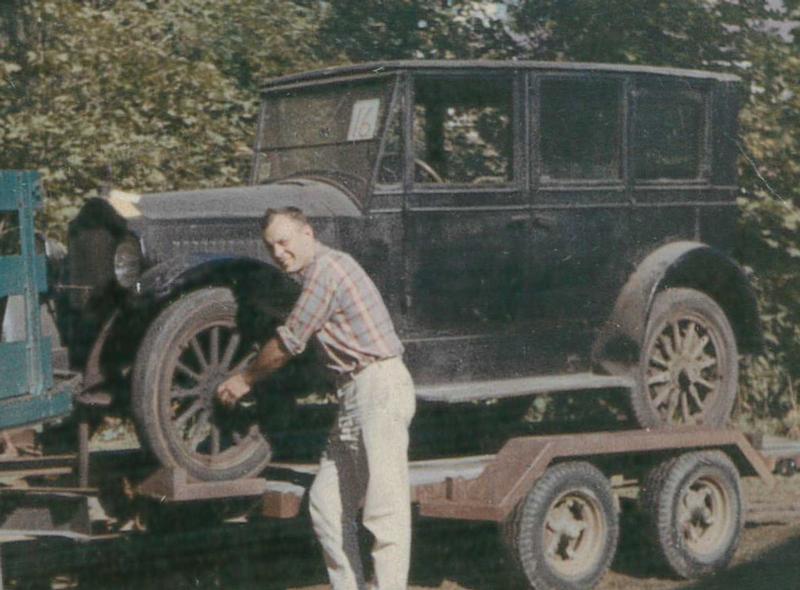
580, 237
466, 227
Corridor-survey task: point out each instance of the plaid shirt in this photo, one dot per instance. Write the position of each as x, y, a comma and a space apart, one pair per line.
342, 307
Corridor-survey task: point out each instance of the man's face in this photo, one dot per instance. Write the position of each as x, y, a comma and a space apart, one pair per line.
290, 243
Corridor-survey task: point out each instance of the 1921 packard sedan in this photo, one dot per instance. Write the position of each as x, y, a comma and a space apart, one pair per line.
533, 227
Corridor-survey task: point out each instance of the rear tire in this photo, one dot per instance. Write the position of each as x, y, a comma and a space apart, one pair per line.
694, 513
564, 534
689, 367
186, 353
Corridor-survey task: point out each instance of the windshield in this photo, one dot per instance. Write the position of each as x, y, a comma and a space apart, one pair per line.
331, 130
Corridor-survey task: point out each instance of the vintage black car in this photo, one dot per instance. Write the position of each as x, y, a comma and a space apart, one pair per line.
533, 227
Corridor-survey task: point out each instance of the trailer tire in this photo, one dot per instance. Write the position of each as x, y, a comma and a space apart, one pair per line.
174, 391
694, 513
688, 377
564, 534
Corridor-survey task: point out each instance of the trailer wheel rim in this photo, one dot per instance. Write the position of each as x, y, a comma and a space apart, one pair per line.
684, 368
574, 534
206, 432
705, 516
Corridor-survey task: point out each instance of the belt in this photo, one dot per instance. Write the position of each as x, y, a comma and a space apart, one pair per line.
342, 379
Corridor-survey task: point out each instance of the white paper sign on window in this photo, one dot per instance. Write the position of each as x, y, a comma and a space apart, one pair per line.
364, 120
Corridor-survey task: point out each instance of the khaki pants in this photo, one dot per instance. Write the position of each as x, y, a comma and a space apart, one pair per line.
366, 461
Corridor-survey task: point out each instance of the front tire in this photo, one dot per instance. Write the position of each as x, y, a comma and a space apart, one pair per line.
186, 353
693, 506
689, 366
564, 534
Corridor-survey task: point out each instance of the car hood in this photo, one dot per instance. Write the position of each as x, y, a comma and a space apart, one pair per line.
314, 197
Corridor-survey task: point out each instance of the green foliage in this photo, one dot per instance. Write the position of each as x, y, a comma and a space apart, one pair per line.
142, 96
679, 33
366, 30
771, 245
770, 240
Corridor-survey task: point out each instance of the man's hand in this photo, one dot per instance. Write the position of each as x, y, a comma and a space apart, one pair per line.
271, 358
233, 389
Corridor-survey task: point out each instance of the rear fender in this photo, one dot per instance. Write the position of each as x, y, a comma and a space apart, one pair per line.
685, 264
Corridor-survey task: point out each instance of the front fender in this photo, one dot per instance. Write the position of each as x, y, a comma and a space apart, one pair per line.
172, 277
263, 293
680, 264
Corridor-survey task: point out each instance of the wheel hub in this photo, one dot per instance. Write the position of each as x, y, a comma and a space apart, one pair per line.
682, 376
572, 532
702, 516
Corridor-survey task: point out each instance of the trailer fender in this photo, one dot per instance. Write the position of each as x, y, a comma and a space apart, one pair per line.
680, 264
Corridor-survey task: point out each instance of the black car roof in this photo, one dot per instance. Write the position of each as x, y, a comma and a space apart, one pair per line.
379, 67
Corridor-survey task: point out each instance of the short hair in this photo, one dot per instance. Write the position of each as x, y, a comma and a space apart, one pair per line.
294, 213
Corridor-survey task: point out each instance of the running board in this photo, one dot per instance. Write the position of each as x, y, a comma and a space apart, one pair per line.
485, 390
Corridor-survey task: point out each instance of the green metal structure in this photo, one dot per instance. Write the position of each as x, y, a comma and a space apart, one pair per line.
27, 395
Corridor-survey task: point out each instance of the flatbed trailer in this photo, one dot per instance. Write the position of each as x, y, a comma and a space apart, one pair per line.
553, 497
556, 498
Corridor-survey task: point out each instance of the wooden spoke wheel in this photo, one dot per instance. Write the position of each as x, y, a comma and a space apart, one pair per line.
188, 351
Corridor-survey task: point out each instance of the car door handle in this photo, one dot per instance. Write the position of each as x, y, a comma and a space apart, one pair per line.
519, 221
543, 221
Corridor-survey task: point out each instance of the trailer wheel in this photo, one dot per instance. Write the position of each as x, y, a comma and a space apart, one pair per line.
186, 353
693, 507
564, 534
688, 372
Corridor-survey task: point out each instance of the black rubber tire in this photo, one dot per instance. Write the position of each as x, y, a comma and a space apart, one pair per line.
211, 443
692, 393
581, 492
693, 492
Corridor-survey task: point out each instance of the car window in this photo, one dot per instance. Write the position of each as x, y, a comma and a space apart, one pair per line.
580, 124
669, 131
330, 130
462, 131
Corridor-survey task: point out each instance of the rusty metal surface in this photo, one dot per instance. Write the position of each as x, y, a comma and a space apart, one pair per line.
24, 466
45, 514
282, 499
173, 485
493, 495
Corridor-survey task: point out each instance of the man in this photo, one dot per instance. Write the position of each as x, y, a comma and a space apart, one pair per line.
366, 459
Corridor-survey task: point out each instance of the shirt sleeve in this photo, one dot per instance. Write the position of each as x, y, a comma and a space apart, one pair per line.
314, 307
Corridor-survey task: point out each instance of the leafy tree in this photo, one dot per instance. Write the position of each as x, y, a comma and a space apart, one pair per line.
770, 223
143, 95
365, 30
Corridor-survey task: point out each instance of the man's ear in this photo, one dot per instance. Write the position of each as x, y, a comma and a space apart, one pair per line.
308, 230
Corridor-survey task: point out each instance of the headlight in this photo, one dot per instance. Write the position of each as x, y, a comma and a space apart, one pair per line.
127, 262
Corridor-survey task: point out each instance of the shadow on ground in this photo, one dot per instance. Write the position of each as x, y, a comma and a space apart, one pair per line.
775, 569
274, 555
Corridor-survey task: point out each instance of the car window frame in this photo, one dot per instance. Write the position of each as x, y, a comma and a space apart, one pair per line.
534, 134
517, 164
705, 149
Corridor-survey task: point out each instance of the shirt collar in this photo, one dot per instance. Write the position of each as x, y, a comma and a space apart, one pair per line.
319, 250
